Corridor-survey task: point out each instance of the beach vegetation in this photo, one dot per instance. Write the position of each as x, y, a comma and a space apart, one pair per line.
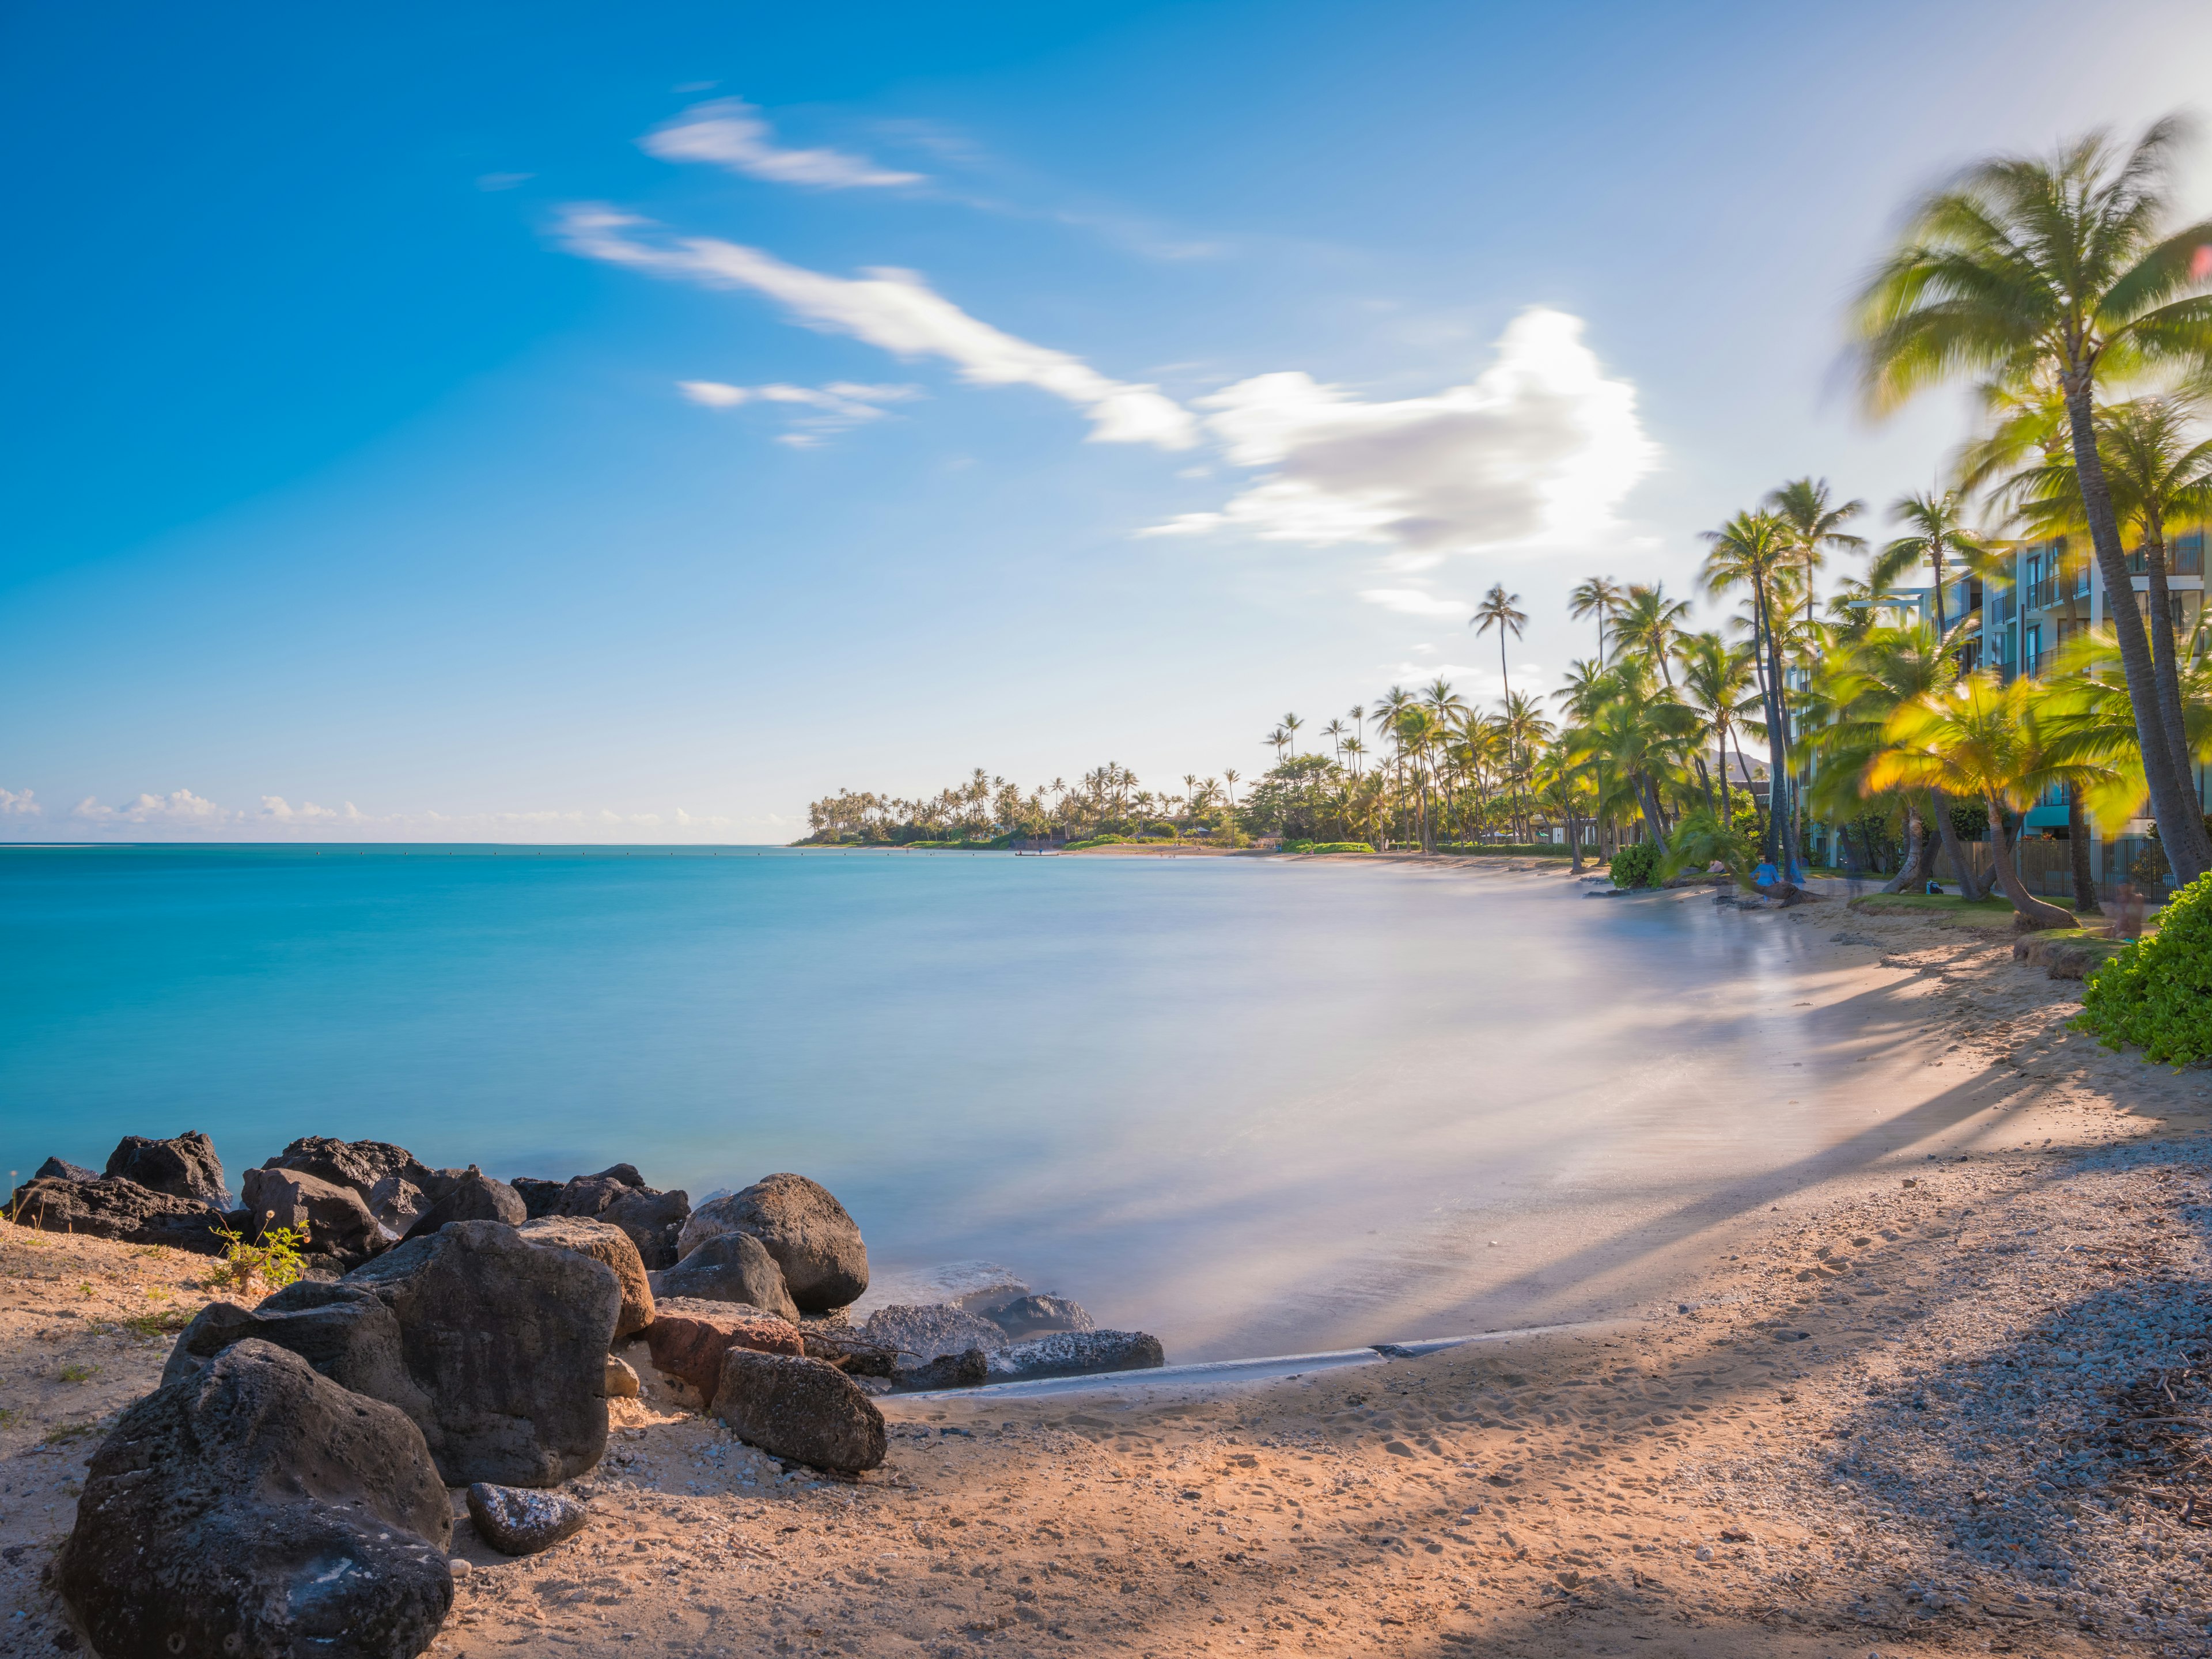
2155, 992
273, 1258
1635, 866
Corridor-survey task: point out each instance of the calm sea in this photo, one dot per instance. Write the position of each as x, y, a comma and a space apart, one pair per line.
1252, 1105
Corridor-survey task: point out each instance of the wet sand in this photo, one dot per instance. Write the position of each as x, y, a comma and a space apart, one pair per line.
1932, 1398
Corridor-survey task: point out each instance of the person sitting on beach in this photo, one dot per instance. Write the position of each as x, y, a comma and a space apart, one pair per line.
1767, 875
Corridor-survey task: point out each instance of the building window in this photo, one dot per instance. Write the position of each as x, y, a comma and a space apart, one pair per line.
2189, 553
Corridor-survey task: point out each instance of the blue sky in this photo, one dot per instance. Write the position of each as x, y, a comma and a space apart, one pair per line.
565, 422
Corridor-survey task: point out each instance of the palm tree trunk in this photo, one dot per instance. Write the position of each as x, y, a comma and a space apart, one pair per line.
2034, 909
2164, 663
1917, 868
2181, 816
1970, 887
2077, 855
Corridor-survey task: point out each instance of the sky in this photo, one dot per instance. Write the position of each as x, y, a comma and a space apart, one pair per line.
564, 422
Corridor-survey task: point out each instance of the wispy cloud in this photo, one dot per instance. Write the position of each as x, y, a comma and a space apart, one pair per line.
19, 805
1537, 451
277, 807
183, 815
833, 408
1412, 602
897, 311
730, 133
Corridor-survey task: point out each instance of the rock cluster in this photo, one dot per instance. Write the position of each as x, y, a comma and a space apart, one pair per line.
283, 1491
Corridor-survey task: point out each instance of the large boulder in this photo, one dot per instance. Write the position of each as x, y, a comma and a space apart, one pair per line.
507, 1344
602, 1242
184, 1166
60, 1168
807, 1232
688, 1339
539, 1198
359, 1164
334, 1219
731, 1267
111, 1208
345, 1332
475, 1196
799, 1408
258, 1507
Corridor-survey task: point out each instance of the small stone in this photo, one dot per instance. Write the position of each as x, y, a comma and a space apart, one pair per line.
515, 1522
622, 1380
460, 1566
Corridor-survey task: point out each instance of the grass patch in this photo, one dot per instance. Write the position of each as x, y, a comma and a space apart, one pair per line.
1876, 904
1512, 849
78, 1373
1327, 846
67, 1432
1094, 841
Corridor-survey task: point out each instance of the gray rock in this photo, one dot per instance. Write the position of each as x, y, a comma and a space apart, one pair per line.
921, 1334
258, 1507
345, 1332
969, 1369
396, 1202
1037, 1316
653, 1221
625, 1173
507, 1344
60, 1168
517, 1523
731, 1267
359, 1164
111, 1208
608, 1245
802, 1409
335, 1219
621, 1381
184, 1166
473, 1196
824, 1262
1077, 1353
539, 1198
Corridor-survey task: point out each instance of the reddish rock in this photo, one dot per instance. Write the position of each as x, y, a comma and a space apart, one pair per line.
689, 1338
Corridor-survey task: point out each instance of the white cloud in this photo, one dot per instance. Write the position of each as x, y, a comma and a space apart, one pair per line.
895, 310
1413, 602
833, 408
730, 133
179, 808
15, 806
276, 806
1537, 451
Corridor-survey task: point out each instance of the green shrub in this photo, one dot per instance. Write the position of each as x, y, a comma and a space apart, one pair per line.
1329, 846
1107, 840
1635, 867
2156, 993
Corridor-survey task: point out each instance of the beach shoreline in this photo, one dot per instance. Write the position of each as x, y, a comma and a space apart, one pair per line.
1875, 1411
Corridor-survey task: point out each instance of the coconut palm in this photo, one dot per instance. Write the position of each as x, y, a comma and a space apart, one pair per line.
1816, 523
1599, 597
1501, 610
1987, 740
1290, 724
1934, 531
1648, 623
1716, 684
1334, 732
2062, 265
1752, 551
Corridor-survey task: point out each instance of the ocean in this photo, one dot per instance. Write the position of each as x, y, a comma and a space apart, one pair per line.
1253, 1105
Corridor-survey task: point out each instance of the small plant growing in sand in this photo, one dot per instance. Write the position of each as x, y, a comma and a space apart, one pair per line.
273, 1258
2156, 993
79, 1373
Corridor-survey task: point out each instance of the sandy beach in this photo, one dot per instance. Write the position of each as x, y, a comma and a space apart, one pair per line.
1945, 1395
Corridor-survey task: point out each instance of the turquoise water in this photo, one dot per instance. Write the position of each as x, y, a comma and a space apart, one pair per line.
1254, 1105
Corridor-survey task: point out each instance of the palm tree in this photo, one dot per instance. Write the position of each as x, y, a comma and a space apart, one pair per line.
1599, 597
1716, 683
1649, 622
1290, 724
1230, 775
1932, 529
2062, 266
1352, 747
1501, 610
1752, 550
1334, 732
1280, 740
1816, 524
1985, 738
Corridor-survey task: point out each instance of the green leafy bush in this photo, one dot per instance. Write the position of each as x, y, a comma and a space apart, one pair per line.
1108, 839
1635, 867
2156, 993
1327, 846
